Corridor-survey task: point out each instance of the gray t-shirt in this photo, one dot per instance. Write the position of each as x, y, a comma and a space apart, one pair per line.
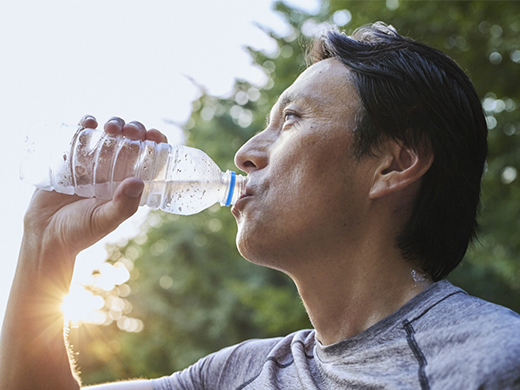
441, 339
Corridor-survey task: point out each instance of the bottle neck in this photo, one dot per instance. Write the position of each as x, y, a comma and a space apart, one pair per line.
235, 187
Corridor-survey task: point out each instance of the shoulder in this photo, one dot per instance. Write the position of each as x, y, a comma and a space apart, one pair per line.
469, 315
235, 365
467, 337
250, 356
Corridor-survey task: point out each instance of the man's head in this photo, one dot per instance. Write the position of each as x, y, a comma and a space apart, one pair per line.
417, 96
381, 139
305, 191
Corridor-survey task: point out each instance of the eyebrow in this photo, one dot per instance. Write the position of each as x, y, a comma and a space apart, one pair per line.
283, 101
288, 98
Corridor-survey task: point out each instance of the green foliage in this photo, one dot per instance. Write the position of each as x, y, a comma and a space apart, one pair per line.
484, 38
190, 287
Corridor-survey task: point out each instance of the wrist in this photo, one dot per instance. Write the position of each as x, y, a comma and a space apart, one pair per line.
42, 259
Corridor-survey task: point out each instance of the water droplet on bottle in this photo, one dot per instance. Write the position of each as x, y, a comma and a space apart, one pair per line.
80, 171
155, 201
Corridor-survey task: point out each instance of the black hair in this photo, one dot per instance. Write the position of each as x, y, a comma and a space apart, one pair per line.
417, 95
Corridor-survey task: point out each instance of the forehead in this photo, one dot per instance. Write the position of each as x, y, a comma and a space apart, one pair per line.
326, 84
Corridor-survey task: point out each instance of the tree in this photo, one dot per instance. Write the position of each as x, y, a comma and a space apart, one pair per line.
483, 37
190, 287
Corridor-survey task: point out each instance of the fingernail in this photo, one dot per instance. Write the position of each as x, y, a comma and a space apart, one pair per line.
116, 119
85, 119
139, 125
115, 122
113, 126
134, 190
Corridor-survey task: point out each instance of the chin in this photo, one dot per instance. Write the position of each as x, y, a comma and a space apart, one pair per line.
260, 253
258, 240
250, 250
244, 247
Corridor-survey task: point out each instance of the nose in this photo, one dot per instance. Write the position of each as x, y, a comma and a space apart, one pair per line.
253, 154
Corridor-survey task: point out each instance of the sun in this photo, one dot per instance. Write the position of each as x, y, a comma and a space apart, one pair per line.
82, 306
97, 297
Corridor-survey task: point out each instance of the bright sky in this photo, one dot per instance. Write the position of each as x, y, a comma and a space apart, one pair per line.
130, 58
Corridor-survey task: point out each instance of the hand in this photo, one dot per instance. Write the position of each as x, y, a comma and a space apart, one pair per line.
68, 224
57, 227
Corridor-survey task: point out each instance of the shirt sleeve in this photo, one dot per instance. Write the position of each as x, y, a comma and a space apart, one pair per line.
203, 374
228, 368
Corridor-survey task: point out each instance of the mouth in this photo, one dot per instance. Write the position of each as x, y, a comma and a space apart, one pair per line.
237, 208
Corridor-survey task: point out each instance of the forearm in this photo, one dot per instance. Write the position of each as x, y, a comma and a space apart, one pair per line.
33, 354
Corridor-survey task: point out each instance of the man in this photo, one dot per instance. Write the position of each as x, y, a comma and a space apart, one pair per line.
364, 189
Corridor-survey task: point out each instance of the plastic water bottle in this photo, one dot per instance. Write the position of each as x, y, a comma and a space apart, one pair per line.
92, 163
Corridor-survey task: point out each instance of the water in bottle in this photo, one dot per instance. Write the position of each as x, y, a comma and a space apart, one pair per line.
92, 163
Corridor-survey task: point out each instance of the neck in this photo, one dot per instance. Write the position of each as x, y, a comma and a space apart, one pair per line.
346, 297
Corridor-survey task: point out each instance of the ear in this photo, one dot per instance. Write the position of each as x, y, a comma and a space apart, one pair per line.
399, 167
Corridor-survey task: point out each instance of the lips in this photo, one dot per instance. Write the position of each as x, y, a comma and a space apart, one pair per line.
241, 201
248, 192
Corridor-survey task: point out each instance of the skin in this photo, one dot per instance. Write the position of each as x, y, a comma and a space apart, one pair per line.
306, 189
311, 210
57, 227
326, 219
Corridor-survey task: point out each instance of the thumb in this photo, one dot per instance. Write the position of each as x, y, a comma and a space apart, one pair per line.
124, 204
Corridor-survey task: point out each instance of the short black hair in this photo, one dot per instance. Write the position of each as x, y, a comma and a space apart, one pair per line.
417, 95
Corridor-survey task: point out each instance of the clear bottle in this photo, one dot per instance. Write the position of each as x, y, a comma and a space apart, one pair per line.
178, 179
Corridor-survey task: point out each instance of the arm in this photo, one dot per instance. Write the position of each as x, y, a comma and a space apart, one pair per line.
33, 354
132, 385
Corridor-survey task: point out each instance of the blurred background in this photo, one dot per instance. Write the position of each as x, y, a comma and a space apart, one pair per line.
165, 290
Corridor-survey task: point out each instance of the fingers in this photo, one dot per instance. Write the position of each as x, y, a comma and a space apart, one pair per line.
88, 121
117, 126
133, 130
114, 126
156, 136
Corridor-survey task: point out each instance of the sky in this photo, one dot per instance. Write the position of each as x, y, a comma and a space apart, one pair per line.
62, 59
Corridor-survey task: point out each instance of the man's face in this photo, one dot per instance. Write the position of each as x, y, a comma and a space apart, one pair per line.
306, 193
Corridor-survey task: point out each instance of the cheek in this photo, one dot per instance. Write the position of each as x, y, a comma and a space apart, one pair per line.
303, 198
305, 173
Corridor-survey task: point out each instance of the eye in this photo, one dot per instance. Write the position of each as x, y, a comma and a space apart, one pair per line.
288, 116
